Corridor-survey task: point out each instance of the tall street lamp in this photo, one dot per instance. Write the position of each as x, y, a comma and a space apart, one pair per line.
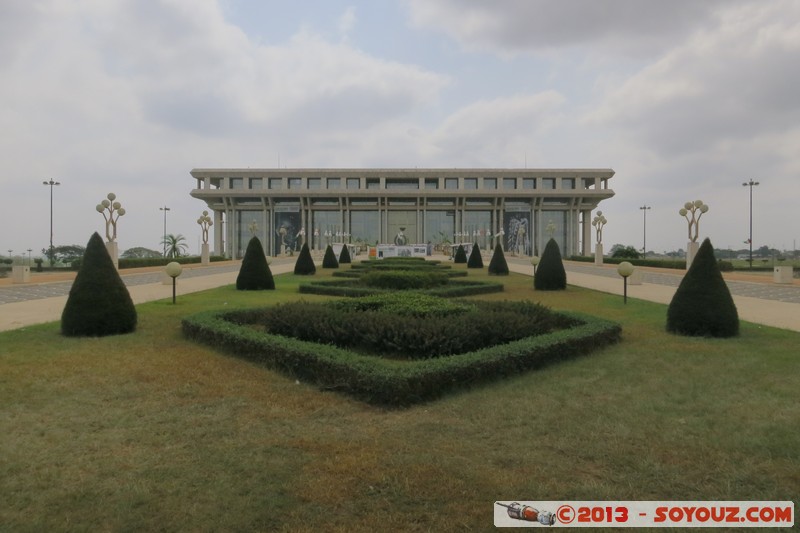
750, 184
51, 183
644, 209
165, 209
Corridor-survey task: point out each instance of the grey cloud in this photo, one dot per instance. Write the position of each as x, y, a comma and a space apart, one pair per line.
633, 27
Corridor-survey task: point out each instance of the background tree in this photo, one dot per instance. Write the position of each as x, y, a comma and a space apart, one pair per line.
627, 252
140, 252
304, 266
461, 255
175, 245
475, 260
498, 265
64, 254
550, 275
703, 305
254, 274
329, 260
99, 303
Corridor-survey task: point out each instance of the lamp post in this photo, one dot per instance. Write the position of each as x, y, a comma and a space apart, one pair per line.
173, 270
29, 255
165, 209
750, 184
644, 209
625, 269
51, 183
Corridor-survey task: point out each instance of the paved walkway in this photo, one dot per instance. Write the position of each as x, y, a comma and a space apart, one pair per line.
757, 298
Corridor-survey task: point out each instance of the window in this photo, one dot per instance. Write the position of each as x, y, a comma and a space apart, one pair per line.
276, 183
548, 183
402, 183
431, 183
471, 184
489, 183
509, 183
373, 183
528, 183
295, 183
314, 183
451, 183
334, 183
588, 183
353, 183
567, 183
237, 183
256, 183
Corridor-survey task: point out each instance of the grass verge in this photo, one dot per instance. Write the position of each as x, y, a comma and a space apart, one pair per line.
151, 431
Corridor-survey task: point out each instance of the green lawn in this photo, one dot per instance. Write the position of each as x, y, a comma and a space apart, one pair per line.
150, 431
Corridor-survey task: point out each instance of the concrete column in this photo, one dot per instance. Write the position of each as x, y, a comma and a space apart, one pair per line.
113, 251
691, 251
598, 253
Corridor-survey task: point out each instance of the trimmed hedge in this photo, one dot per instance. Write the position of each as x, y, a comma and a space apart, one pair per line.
461, 255
498, 265
475, 259
140, 262
404, 280
354, 287
414, 326
390, 382
304, 266
550, 276
344, 257
702, 305
329, 260
254, 274
99, 303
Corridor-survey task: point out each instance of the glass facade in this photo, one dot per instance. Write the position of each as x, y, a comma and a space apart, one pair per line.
365, 225
249, 224
439, 226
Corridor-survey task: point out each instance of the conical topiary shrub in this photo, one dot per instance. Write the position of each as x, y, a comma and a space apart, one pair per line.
329, 260
702, 305
254, 274
550, 276
304, 266
498, 265
461, 255
344, 257
475, 259
99, 303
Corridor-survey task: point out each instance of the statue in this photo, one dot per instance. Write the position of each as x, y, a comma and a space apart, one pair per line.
113, 208
400, 238
205, 223
301, 238
696, 209
598, 222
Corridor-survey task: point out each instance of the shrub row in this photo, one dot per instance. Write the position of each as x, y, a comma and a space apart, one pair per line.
389, 382
403, 280
415, 332
140, 262
678, 264
354, 287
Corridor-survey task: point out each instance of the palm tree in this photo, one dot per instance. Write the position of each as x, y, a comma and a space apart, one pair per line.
175, 245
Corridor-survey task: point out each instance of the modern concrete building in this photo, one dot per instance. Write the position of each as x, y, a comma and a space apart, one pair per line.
521, 207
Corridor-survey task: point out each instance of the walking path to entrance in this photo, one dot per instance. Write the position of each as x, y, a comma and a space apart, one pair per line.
757, 298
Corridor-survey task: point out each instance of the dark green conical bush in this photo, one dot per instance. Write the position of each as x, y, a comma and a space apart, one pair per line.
475, 259
304, 266
550, 275
254, 274
344, 257
329, 260
99, 303
703, 305
461, 255
498, 265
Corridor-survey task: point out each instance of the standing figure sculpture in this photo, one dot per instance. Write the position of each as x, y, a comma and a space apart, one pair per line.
300, 238
115, 210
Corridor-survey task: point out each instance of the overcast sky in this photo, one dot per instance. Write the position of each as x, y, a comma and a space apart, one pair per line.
684, 99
